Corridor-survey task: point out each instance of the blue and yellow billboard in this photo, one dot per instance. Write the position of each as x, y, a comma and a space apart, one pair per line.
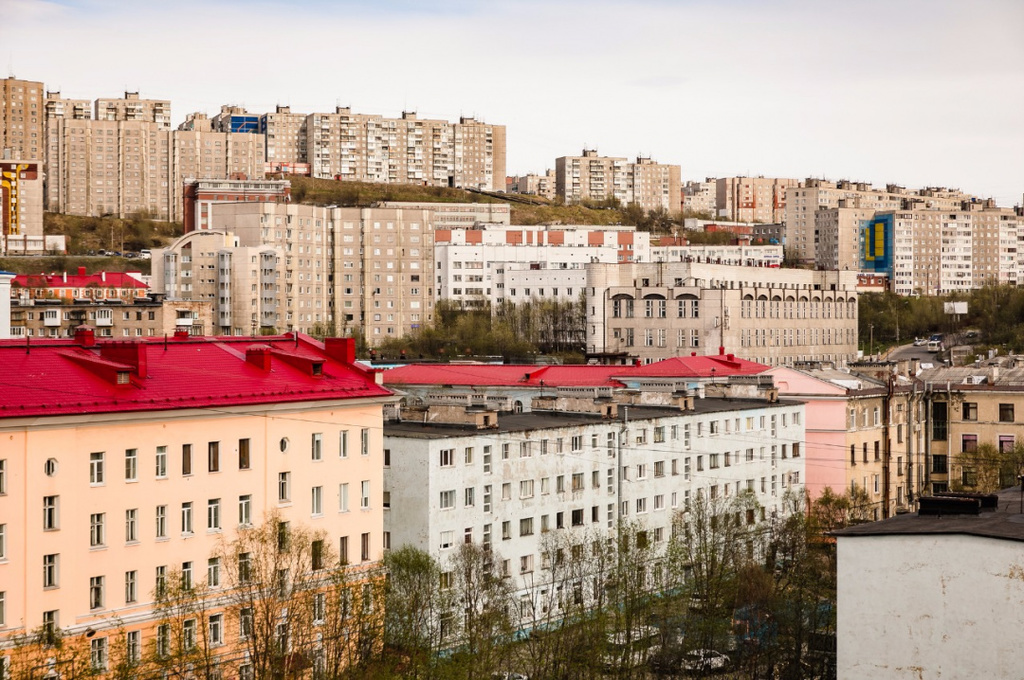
876, 244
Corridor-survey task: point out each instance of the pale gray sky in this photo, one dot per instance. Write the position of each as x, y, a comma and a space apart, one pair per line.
918, 93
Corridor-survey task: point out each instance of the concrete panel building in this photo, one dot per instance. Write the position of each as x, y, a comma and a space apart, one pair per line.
752, 199
131, 107
700, 197
21, 208
772, 316
590, 177
22, 119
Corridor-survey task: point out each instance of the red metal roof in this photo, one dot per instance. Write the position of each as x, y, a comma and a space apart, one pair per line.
111, 280
503, 375
63, 377
710, 366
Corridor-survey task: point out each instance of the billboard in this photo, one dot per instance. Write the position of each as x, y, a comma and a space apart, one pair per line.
876, 244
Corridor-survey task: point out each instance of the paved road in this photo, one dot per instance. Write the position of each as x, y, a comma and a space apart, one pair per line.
907, 352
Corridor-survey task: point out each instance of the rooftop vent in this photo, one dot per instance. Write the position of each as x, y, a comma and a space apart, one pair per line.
949, 505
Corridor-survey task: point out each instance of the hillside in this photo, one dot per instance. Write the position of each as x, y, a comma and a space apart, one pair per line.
85, 234
534, 211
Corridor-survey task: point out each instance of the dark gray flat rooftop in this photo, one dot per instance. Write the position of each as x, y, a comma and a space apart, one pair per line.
1005, 523
540, 420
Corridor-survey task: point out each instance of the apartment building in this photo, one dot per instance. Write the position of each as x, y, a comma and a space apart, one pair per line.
575, 470
700, 197
145, 317
752, 199
199, 195
124, 287
805, 200
534, 185
862, 438
98, 167
458, 215
651, 311
953, 250
21, 119
285, 134
21, 209
970, 407
589, 177
131, 107
166, 451
288, 266
669, 249
521, 263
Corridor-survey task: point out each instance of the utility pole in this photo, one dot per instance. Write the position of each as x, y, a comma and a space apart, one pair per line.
886, 444
871, 334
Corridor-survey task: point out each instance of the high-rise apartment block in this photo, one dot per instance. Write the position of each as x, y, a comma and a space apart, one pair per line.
650, 185
537, 185
21, 119
132, 108
752, 199
276, 266
804, 201
700, 197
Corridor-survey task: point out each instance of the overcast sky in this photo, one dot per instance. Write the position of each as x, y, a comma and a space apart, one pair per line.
927, 93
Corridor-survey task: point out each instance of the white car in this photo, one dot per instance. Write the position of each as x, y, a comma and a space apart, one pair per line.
705, 660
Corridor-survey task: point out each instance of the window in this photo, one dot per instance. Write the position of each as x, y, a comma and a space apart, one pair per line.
970, 443
506, 491
133, 646
577, 481
939, 464
245, 621
186, 459
186, 518
447, 457
487, 460
1006, 413
51, 571
131, 465
343, 444
98, 654
243, 454
317, 451
526, 526
213, 514
970, 410
364, 497
131, 525
641, 505
213, 572
467, 457
364, 547
188, 634
448, 499
317, 500
284, 484
577, 517
343, 550
469, 496
161, 581
245, 510
96, 592
526, 488
365, 442
216, 629
95, 471
186, 575
161, 462
244, 567
213, 456
317, 554
161, 521
97, 535
51, 515
343, 497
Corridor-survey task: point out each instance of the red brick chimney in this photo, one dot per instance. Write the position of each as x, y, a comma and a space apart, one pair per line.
259, 356
85, 336
130, 353
341, 349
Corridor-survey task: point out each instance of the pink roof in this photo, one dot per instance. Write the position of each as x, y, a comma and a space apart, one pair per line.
113, 280
503, 375
712, 365
61, 377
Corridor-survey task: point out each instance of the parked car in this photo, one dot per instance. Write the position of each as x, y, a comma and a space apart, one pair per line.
705, 660
920, 342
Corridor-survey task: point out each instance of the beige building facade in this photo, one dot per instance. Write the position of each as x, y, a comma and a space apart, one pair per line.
139, 319
131, 107
804, 200
301, 267
589, 177
700, 197
752, 199
21, 119
772, 316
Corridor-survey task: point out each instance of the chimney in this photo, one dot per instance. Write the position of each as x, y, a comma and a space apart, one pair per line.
258, 356
81, 271
85, 336
341, 349
5, 304
131, 353
103, 276
180, 333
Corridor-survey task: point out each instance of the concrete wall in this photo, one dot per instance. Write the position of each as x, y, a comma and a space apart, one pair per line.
929, 607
